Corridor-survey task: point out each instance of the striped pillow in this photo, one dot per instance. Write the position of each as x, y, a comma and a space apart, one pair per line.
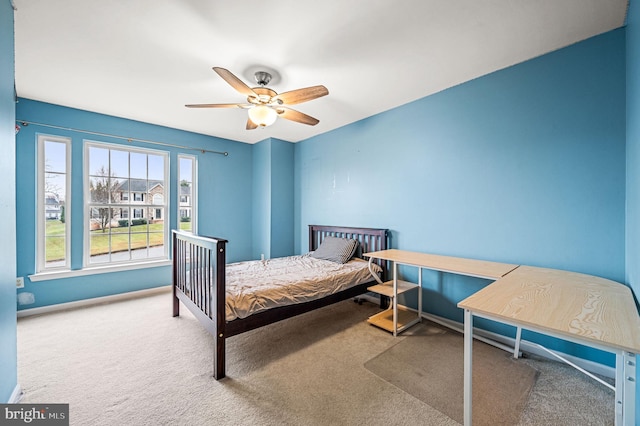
338, 250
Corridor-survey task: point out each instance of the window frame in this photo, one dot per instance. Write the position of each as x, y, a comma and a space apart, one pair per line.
41, 261
129, 204
194, 191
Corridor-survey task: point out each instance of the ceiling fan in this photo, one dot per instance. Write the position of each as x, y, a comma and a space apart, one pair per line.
265, 105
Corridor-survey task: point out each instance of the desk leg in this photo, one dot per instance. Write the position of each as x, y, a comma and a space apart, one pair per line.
394, 300
625, 388
516, 349
419, 294
468, 361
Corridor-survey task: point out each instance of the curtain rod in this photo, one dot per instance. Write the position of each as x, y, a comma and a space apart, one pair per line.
26, 123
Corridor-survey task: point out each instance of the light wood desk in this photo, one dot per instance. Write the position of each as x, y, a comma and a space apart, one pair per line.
389, 320
576, 307
454, 265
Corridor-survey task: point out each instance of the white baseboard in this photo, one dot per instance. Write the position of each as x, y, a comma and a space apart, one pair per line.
507, 343
93, 301
16, 395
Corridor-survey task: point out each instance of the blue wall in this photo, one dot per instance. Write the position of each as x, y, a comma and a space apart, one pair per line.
525, 165
633, 146
282, 201
220, 178
262, 199
8, 344
273, 198
633, 158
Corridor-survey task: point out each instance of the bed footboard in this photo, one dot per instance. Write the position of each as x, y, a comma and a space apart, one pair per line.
199, 283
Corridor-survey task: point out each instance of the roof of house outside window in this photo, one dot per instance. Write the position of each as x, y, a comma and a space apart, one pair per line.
137, 185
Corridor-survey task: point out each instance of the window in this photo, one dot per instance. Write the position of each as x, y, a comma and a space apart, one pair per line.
120, 224
187, 193
54, 190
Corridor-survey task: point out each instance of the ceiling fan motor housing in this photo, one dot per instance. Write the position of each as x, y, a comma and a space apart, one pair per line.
262, 77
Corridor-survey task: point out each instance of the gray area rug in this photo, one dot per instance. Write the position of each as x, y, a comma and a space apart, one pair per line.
428, 364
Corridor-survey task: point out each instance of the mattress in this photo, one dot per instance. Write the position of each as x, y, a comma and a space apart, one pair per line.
259, 285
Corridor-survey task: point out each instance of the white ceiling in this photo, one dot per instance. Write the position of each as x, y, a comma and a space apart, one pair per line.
145, 59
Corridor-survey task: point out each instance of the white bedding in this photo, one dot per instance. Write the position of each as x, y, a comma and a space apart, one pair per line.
258, 285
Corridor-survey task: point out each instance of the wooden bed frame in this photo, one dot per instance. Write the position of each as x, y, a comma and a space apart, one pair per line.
199, 283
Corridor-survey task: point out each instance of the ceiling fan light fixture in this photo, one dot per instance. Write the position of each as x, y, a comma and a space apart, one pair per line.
262, 115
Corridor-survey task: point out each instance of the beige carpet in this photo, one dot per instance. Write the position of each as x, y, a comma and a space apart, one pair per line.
429, 366
131, 363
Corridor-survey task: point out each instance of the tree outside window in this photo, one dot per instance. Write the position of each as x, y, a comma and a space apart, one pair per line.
127, 189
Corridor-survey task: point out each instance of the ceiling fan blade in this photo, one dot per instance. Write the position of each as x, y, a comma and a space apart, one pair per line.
251, 125
301, 95
217, 105
297, 116
234, 81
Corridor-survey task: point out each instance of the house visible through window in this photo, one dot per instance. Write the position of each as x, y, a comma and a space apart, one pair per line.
54, 190
187, 193
119, 180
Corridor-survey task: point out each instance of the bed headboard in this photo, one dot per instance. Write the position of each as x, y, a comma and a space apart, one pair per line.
370, 239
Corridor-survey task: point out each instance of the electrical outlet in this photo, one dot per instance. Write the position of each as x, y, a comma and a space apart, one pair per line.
19, 282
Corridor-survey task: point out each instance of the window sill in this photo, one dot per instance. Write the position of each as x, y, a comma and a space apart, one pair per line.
94, 270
